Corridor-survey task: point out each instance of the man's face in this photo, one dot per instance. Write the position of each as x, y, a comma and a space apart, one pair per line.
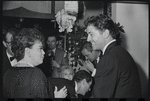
51, 42
89, 55
8, 43
96, 37
85, 87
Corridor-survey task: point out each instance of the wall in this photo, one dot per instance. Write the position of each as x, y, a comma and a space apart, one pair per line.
134, 18
88, 14
37, 6
92, 8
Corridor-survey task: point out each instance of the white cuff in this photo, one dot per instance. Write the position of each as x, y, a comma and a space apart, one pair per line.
93, 73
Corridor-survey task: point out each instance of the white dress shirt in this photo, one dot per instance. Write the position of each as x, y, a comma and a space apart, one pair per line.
13, 62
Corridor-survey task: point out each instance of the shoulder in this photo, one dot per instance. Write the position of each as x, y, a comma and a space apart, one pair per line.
36, 72
60, 50
59, 81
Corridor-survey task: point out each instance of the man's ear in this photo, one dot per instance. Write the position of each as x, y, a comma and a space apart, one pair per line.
84, 82
106, 33
4, 43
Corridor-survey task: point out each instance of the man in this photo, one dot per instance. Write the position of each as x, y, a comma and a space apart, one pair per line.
8, 56
92, 58
55, 57
116, 75
90, 54
80, 84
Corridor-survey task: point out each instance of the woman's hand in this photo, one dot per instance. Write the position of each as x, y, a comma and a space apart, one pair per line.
62, 93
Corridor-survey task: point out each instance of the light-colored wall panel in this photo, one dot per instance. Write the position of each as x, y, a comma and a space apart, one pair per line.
134, 18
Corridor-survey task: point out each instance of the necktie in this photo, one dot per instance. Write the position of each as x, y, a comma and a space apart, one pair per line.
12, 58
97, 60
95, 63
101, 54
53, 55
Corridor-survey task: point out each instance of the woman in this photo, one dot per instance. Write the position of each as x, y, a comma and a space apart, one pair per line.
66, 72
25, 80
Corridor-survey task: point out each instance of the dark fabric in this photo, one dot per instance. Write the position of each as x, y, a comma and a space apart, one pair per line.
52, 55
59, 57
116, 75
60, 83
94, 63
24, 82
46, 66
61, 60
12, 58
6, 63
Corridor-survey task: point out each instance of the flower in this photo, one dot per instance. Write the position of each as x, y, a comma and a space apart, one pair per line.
65, 21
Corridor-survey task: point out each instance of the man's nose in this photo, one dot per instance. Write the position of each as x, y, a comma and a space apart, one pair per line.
88, 38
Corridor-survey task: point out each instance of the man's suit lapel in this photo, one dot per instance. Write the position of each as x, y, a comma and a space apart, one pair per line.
110, 46
6, 63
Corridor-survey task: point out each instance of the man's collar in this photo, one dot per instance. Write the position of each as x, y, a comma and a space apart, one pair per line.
98, 56
76, 87
8, 54
54, 50
107, 45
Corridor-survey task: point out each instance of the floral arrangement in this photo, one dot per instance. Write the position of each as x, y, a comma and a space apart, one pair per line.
75, 39
65, 21
67, 16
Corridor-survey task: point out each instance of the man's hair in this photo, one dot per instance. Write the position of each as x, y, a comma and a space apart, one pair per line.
26, 37
87, 45
51, 33
103, 22
82, 74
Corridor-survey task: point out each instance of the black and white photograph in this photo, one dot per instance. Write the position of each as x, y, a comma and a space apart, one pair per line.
75, 49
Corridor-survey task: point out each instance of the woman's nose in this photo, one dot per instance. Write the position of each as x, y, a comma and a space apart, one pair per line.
43, 52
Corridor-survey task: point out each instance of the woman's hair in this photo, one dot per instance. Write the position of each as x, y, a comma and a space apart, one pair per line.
25, 38
67, 67
103, 22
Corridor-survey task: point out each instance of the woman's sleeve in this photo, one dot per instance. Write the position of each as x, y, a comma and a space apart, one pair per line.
38, 84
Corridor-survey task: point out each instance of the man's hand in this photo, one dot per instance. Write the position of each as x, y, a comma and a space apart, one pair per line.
81, 66
55, 64
62, 93
89, 65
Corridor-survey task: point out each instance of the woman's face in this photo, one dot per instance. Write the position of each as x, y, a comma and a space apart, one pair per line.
67, 74
37, 53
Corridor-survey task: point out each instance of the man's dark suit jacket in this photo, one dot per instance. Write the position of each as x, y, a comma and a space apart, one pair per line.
46, 66
60, 83
116, 75
60, 59
6, 63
